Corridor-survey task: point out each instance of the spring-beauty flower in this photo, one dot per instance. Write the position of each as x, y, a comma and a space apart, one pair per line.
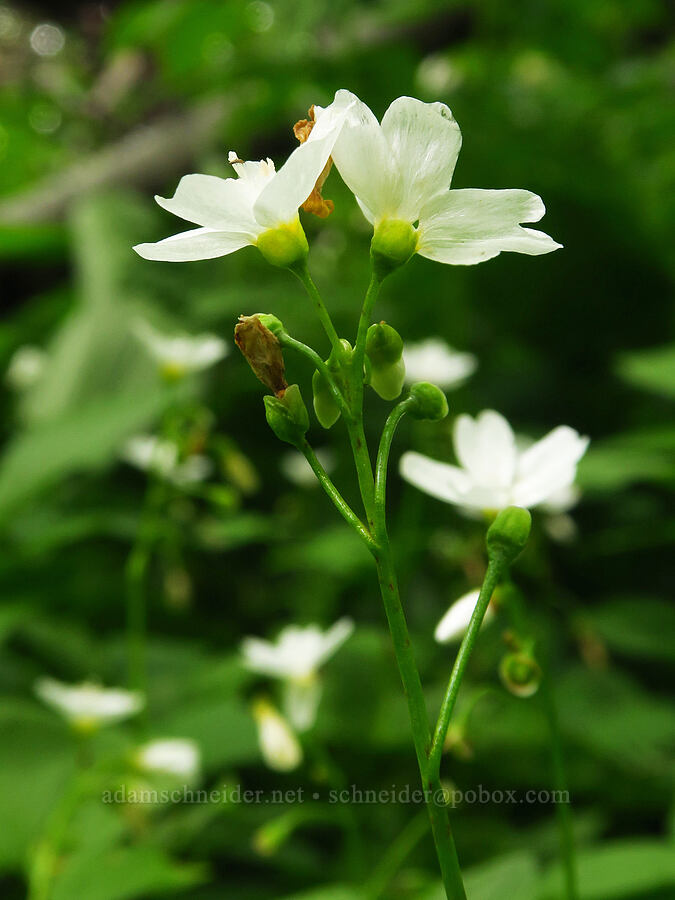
435, 361
295, 658
178, 757
87, 706
259, 207
493, 473
455, 622
181, 354
280, 748
400, 172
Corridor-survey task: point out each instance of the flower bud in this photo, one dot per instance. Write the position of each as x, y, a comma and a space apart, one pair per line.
429, 402
287, 416
262, 351
326, 409
394, 242
272, 323
520, 674
284, 246
508, 534
384, 351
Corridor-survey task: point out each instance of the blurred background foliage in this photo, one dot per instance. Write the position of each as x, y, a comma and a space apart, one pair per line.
104, 104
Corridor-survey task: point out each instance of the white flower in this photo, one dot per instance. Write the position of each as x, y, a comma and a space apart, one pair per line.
493, 473
87, 706
280, 748
25, 367
152, 454
433, 360
298, 652
296, 468
295, 658
169, 756
456, 620
400, 171
180, 355
235, 212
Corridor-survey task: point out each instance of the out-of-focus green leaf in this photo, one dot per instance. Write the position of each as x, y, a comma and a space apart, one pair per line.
330, 892
509, 876
122, 873
652, 369
640, 627
622, 870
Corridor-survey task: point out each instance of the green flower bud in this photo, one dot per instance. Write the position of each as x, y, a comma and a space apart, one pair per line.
276, 326
394, 242
387, 381
520, 674
429, 402
325, 407
285, 245
384, 352
287, 415
508, 534
384, 345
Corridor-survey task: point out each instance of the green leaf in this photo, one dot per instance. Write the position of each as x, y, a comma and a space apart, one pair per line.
622, 870
498, 879
639, 627
652, 369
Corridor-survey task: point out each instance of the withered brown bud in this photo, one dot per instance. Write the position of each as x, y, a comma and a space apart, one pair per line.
262, 351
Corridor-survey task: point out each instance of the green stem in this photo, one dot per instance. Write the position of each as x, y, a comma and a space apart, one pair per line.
302, 272
287, 341
360, 345
563, 809
395, 856
382, 464
338, 501
494, 571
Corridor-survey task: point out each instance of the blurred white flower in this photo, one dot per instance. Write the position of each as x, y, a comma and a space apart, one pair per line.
152, 454
280, 748
295, 658
236, 212
296, 468
179, 355
435, 361
400, 172
493, 473
25, 367
87, 706
455, 622
169, 756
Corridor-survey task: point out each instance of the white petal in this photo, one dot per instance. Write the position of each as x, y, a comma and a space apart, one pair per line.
224, 204
279, 201
549, 466
263, 657
200, 243
279, 746
455, 622
469, 226
425, 141
486, 447
170, 756
440, 480
333, 639
301, 702
433, 360
363, 158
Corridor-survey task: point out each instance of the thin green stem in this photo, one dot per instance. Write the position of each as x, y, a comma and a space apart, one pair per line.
338, 501
382, 464
287, 341
360, 345
302, 272
395, 856
492, 576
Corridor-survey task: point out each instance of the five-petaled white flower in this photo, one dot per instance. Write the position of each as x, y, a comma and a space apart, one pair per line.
295, 658
280, 748
400, 172
169, 756
87, 706
179, 355
456, 620
259, 207
153, 454
435, 361
493, 473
